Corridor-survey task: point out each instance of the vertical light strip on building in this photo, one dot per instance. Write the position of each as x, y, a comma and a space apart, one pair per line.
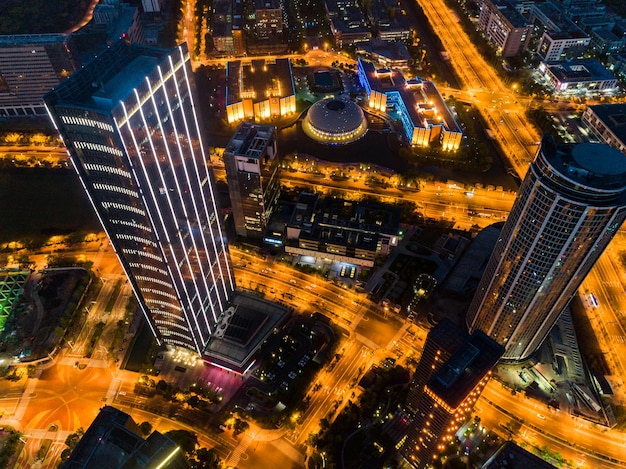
152, 220
183, 205
174, 218
224, 249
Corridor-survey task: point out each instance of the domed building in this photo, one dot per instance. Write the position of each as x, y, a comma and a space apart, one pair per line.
335, 121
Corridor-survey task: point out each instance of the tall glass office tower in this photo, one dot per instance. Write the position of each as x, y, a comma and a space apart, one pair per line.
570, 205
129, 122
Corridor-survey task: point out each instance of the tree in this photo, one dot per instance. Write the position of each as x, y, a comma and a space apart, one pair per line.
71, 441
206, 459
188, 441
146, 428
240, 426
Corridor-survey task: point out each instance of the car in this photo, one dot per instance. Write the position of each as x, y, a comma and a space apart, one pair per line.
542, 417
292, 375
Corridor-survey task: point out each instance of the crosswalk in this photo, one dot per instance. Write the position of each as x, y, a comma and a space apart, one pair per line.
618, 338
239, 451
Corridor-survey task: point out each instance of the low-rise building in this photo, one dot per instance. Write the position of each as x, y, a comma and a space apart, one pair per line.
386, 53
608, 124
30, 66
268, 18
389, 20
425, 118
586, 76
505, 27
341, 230
347, 22
510, 456
609, 40
560, 38
259, 89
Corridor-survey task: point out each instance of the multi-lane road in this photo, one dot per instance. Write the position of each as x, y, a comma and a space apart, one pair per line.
515, 135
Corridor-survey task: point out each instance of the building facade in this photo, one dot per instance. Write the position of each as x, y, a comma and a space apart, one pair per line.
268, 18
30, 66
505, 27
251, 162
608, 124
584, 77
570, 205
129, 122
560, 38
448, 396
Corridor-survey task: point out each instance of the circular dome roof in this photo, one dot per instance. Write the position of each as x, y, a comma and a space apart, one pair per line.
335, 121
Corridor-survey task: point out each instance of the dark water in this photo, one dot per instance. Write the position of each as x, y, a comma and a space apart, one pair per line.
42, 202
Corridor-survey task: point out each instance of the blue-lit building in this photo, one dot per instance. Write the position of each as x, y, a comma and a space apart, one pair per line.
425, 118
129, 122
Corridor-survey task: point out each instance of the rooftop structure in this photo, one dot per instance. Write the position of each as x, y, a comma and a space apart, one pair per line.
30, 66
129, 124
259, 89
585, 76
347, 22
390, 21
441, 342
424, 115
114, 441
505, 27
341, 231
251, 162
569, 206
240, 333
386, 53
608, 124
335, 121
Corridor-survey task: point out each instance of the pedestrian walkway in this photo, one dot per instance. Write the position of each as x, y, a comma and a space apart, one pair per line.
21, 407
235, 456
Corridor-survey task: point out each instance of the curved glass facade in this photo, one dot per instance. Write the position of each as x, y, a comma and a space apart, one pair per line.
563, 218
128, 120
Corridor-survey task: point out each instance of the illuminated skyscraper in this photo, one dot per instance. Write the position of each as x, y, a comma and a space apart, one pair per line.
129, 122
570, 205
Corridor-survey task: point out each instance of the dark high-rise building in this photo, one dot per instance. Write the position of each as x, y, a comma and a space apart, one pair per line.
511, 456
251, 163
114, 441
441, 342
130, 124
570, 205
448, 396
